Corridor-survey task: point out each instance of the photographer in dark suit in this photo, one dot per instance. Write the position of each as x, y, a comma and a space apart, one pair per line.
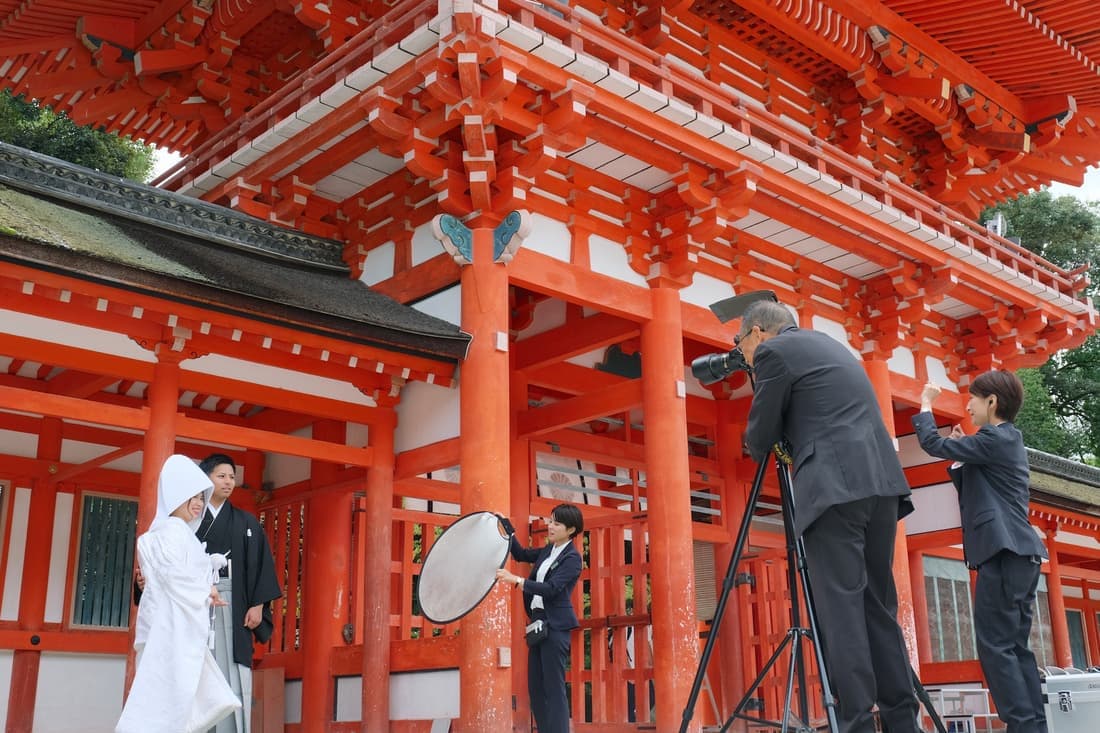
547, 592
849, 491
991, 475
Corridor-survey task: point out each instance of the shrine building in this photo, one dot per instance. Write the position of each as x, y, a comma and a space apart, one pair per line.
425, 258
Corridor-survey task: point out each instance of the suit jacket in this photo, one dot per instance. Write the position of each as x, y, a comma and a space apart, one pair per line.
992, 482
558, 585
811, 390
255, 581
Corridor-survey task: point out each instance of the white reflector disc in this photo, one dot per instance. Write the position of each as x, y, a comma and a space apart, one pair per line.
461, 567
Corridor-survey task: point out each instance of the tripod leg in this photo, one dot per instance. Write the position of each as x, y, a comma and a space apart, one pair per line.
787, 494
737, 711
794, 564
723, 598
926, 700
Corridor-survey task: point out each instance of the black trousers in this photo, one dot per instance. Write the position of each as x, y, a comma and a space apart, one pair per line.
1004, 599
850, 556
546, 664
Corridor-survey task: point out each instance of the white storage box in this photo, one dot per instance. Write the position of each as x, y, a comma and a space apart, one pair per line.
1073, 703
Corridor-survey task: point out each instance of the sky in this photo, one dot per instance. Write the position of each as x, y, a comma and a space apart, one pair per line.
1088, 192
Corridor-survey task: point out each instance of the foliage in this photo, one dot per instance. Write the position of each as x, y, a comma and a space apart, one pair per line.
1061, 412
36, 128
1039, 420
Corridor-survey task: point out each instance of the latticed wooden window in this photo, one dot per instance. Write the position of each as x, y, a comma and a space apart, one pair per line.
105, 563
950, 614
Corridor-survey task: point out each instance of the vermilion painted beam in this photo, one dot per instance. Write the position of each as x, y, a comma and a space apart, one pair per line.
193, 315
543, 274
572, 339
435, 456
78, 384
71, 357
617, 398
571, 378
420, 281
90, 642
426, 488
71, 408
871, 12
284, 399
274, 442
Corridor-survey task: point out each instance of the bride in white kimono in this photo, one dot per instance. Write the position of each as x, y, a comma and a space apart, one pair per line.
177, 687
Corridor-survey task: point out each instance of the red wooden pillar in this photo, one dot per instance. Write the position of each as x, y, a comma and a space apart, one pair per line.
675, 636
920, 606
879, 373
486, 638
731, 426
1059, 627
159, 443
377, 562
522, 487
36, 574
160, 438
326, 579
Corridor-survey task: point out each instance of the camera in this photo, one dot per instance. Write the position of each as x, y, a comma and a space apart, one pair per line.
711, 368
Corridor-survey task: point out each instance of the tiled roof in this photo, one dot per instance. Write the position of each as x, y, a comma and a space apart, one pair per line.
62, 216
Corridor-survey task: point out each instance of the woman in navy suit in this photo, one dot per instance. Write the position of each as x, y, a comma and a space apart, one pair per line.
546, 597
991, 475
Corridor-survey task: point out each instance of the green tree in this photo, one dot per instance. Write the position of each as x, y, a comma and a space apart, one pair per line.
37, 128
1061, 411
1039, 421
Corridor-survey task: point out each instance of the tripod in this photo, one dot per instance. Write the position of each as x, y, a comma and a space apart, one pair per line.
796, 634
799, 583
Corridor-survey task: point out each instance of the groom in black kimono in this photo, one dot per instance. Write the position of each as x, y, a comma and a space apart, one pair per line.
250, 579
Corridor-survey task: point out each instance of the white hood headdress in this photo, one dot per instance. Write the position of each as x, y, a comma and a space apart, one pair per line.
180, 479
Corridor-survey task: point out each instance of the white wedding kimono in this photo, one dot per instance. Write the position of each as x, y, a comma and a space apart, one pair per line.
177, 687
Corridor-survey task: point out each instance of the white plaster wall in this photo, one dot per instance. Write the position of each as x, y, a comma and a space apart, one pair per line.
426, 414
57, 332
292, 697
16, 550
1078, 540
59, 558
589, 358
270, 376
609, 258
705, 290
549, 314
836, 331
378, 264
413, 696
24, 445
550, 237
937, 374
282, 469
424, 244
78, 693
935, 508
911, 454
76, 451
901, 362
445, 305
6, 657
358, 434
